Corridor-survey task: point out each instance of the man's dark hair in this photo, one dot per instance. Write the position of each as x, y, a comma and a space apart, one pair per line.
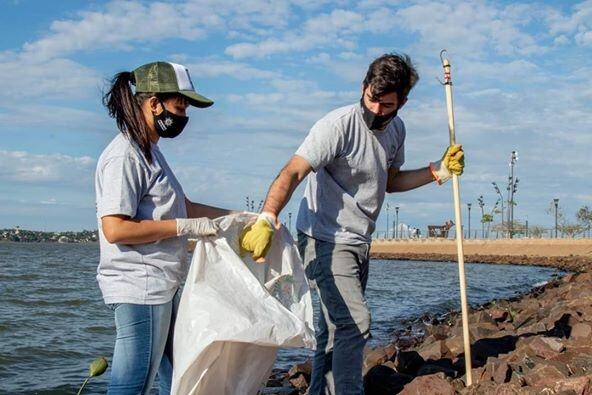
391, 73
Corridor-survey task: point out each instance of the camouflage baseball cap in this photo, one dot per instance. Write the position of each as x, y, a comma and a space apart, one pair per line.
167, 77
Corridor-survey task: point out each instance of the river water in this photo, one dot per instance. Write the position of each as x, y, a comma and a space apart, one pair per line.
53, 322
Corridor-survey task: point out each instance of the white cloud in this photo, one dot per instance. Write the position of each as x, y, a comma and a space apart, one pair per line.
56, 79
47, 169
334, 29
467, 27
44, 117
118, 26
578, 23
237, 70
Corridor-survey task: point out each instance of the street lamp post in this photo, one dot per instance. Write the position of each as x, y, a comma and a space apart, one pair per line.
512, 185
469, 207
502, 201
387, 221
290, 222
396, 222
556, 202
481, 205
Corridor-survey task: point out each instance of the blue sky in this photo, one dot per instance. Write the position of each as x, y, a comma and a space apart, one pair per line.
521, 72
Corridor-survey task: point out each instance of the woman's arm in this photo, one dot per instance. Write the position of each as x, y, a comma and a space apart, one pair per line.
197, 210
121, 229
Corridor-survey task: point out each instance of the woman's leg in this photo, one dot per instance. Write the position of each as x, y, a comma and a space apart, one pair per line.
142, 331
165, 370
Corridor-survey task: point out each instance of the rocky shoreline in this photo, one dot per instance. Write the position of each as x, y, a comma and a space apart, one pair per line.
570, 263
536, 343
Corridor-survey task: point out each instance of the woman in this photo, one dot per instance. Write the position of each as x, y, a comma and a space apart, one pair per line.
144, 221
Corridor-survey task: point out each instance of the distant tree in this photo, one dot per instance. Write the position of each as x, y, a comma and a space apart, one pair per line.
584, 217
487, 219
570, 230
536, 231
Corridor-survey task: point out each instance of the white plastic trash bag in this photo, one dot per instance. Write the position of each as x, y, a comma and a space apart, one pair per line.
234, 314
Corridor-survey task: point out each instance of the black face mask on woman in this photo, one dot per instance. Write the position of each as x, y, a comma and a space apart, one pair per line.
375, 121
169, 125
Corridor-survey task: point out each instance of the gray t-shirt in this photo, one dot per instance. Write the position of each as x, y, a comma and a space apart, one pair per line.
127, 184
345, 192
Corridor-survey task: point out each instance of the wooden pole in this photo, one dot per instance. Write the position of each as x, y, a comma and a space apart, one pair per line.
458, 220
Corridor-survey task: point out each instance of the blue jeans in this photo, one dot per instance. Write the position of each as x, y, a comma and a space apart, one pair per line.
143, 347
340, 272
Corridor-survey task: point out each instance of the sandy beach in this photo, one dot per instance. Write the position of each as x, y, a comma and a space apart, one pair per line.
501, 247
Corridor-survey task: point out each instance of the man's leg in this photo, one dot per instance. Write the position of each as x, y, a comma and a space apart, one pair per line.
340, 273
323, 357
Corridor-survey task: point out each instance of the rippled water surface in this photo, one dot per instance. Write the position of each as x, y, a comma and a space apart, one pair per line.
53, 322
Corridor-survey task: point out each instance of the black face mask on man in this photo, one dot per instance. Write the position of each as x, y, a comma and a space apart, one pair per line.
169, 125
375, 121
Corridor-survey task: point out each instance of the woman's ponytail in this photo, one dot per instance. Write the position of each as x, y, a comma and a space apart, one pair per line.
125, 108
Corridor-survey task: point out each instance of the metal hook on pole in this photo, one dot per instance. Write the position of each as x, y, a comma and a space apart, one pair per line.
446, 65
442, 52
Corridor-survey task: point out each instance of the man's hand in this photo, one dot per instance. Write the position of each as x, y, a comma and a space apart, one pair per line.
452, 162
196, 227
256, 238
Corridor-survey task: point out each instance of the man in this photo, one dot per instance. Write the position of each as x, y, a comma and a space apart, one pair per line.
354, 153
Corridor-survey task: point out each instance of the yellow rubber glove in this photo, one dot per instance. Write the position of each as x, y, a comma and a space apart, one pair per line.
257, 238
452, 162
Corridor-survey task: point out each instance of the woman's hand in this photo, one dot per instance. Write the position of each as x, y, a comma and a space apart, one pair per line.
196, 227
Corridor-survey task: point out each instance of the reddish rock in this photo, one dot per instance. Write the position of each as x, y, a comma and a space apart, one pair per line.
433, 384
579, 385
568, 278
543, 376
525, 317
433, 351
578, 361
455, 346
532, 328
583, 277
584, 311
497, 371
546, 347
580, 331
438, 332
458, 385
301, 368
373, 358
481, 317
578, 293
498, 315
513, 389
391, 351
299, 382
482, 330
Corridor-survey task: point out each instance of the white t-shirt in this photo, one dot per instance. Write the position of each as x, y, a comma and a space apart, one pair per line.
345, 192
127, 184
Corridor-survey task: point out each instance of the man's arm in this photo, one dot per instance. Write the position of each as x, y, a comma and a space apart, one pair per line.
405, 180
285, 183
